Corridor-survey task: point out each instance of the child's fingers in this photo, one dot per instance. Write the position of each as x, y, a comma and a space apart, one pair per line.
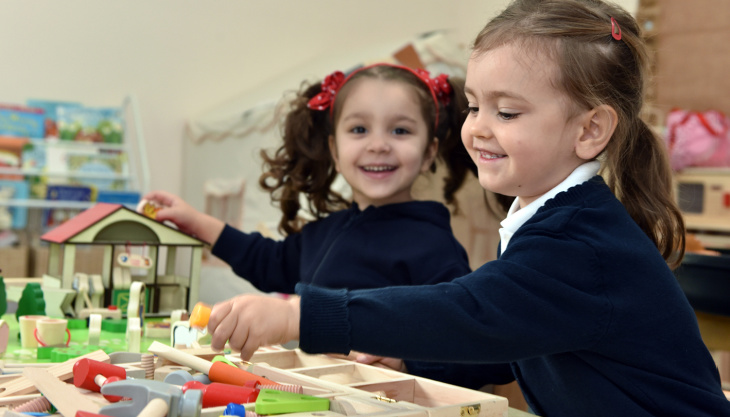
217, 315
239, 334
249, 348
161, 197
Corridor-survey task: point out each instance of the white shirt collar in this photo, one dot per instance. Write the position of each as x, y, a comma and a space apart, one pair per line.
517, 216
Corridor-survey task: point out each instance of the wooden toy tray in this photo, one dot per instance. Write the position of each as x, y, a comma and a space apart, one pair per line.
358, 389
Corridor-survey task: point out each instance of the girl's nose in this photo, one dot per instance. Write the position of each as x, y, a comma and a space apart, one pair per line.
378, 143
477, 128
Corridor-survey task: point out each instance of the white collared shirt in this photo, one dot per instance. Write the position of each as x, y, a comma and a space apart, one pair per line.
517, 216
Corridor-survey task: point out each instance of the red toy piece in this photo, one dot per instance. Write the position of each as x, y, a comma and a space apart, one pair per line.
92, 375
217, 394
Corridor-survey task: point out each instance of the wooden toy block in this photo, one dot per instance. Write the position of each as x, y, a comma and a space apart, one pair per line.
62, 371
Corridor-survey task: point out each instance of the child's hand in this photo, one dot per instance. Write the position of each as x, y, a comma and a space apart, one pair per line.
189, 220
381, 361
249, 321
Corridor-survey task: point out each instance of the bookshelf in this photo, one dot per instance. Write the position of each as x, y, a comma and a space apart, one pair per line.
132, 149
111, 172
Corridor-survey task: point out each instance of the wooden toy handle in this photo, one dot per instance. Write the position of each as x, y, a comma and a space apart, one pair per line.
155, 408
177, 356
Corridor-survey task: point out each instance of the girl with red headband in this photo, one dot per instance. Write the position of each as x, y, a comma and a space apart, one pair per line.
380, 127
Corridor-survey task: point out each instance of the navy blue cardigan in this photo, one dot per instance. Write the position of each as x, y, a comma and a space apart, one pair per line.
396, 244
581, 303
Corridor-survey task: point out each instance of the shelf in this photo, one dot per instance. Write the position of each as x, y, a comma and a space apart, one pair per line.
29, 172
37, 203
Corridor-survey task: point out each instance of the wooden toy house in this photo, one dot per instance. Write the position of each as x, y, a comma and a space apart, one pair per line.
123, 232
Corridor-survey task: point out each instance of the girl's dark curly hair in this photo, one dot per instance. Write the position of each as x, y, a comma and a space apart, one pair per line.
303, 164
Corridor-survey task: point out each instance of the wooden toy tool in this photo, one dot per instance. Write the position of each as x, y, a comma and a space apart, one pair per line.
65, 397
216, 371
92, 375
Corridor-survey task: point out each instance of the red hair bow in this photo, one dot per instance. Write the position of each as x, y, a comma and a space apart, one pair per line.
330, 86
439, 85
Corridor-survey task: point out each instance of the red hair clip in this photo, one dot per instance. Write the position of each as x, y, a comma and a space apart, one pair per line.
439, 87
615, 29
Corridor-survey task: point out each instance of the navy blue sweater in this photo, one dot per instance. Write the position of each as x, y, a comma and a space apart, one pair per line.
581, 303
396, 244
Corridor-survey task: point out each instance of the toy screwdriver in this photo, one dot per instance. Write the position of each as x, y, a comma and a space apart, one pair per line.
217, 371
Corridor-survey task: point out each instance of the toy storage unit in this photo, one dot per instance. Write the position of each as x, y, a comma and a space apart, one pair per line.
364, 390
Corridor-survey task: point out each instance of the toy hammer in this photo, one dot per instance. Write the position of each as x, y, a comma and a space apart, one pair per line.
143, 391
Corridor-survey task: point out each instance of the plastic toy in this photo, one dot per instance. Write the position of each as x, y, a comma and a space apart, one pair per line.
142, 391
272, 401
3, 296
31, 302
216, 394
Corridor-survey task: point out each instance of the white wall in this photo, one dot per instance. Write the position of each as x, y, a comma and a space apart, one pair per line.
181, 57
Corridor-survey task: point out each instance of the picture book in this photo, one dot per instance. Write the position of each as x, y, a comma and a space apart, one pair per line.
50, 110
90, 124
21, 121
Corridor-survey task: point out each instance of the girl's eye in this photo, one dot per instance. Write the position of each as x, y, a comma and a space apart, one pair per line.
473, 110
358, 130
507, 116
401, 131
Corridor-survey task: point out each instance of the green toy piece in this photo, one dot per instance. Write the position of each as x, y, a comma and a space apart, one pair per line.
3, 297
114, 325
221, 358
31, 302
271, 401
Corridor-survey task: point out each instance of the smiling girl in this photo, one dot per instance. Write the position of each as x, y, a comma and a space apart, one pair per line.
582, 301
381, 127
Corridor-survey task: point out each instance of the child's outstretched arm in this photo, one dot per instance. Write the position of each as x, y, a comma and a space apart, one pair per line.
249, 321
185, 217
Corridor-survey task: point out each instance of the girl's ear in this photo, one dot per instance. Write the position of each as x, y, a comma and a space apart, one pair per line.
598, 127
430, 155
333, 151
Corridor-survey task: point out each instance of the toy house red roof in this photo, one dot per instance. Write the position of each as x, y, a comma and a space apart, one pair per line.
80, 222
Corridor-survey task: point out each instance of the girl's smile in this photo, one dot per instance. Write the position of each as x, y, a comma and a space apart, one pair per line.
380, 145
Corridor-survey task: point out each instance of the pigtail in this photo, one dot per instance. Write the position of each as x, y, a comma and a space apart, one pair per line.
451, 150
643, 170
302, 164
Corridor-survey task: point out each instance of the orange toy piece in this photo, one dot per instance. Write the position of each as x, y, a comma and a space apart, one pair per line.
216, 371
200, 316
148, 208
